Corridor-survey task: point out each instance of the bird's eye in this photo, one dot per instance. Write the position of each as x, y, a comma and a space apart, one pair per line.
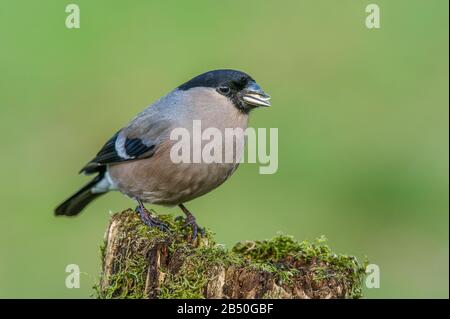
224, 90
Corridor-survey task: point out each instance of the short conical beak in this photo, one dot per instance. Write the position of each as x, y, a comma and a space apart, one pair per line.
253, 94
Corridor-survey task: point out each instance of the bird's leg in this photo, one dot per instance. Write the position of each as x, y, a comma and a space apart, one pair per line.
191, 221
147, 218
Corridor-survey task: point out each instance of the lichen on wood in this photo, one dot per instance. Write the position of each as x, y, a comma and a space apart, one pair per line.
142, 262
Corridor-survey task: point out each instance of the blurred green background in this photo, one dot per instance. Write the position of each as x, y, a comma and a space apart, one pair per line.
362, 117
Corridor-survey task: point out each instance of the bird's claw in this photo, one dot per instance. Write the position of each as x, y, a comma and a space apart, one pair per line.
190, 221
150, 221
179, 219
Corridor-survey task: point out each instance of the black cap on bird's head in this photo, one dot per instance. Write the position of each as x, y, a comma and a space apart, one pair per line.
238, 86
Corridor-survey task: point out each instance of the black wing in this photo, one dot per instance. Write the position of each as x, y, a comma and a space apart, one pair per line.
131, 149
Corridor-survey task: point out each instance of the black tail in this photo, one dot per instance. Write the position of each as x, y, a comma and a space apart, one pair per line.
75, 203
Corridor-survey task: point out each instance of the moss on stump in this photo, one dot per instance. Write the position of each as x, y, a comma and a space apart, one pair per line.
139, 262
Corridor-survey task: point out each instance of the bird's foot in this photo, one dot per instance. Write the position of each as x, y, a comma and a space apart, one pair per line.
190, 221
150, 221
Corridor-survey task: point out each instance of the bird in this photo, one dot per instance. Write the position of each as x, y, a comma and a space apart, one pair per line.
136, 160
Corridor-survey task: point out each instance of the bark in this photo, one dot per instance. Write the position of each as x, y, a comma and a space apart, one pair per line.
138, 262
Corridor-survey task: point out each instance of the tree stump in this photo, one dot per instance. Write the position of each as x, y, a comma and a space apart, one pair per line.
139, 262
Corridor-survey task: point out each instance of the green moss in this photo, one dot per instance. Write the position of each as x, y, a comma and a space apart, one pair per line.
287, 255
129, 281
191, 278
281, 256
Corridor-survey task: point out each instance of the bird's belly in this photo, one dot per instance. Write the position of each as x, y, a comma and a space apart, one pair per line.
168, 183
160, 180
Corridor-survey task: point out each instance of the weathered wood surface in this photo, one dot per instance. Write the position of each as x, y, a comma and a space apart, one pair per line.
142, 263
